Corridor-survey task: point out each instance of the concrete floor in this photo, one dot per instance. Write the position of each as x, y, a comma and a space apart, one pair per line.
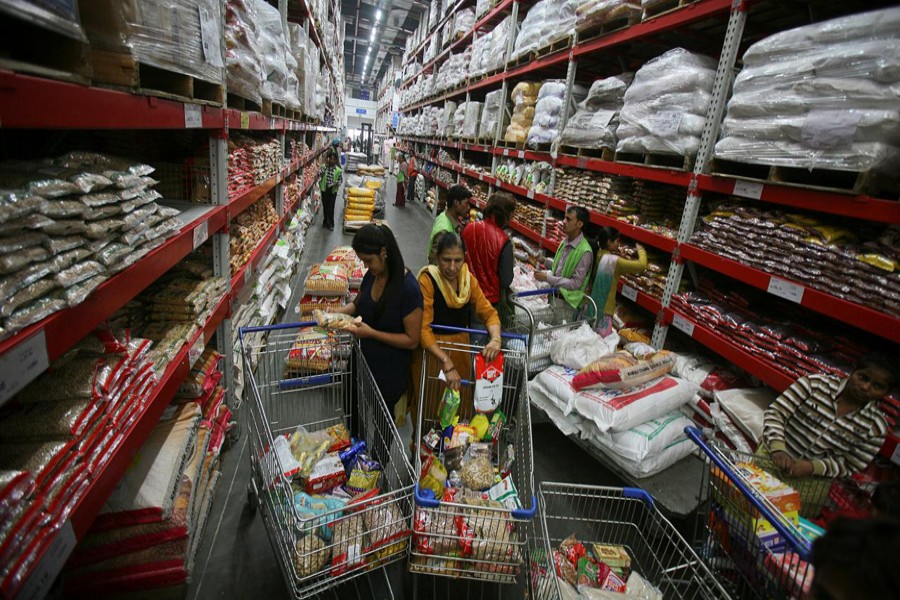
236, 560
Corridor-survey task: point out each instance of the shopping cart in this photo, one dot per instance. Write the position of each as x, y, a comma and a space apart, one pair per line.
747, 540
542, 318
319, 544
626, 517
460, 536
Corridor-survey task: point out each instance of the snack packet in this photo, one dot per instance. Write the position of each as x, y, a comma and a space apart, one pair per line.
327, 474
331, 320
478, 474
488, 383
448, 407
340, 437
364, 476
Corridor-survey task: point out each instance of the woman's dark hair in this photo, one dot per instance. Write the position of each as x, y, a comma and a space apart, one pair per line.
371, 239
447, 240
882, 362
859, 556
500, 207
606, 235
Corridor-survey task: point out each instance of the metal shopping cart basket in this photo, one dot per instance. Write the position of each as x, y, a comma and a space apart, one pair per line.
610, 516
459, 535
306, 376
542, 318
747, 539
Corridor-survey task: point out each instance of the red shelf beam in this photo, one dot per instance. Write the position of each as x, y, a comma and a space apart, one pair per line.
529, 233
730, 352
844, 205
854, 314
64, 329
659, 175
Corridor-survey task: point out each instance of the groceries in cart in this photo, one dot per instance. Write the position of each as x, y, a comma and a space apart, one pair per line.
339, 321
356, 270
312, 351
597, 570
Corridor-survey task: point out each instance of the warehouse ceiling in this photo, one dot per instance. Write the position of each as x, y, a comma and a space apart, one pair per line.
391, 20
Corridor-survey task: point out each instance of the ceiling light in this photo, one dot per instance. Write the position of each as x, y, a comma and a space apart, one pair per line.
377, 15
372, 37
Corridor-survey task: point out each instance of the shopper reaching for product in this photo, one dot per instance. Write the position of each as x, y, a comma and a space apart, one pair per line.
570, 268
450, 294
610, 267
390, 304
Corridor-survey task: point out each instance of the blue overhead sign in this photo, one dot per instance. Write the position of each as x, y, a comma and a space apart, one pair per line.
395, 119
360, 111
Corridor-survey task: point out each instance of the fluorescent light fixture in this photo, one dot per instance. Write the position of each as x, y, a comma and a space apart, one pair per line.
377, 15
372, 37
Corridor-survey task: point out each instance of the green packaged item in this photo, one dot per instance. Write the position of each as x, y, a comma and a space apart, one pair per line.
496, 426
449, 406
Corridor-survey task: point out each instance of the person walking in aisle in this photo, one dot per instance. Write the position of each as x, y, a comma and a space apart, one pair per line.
489, 254
450, 293
457, 207
828, 426
610, 267
400, 197
329, 182
390, 304
570, 268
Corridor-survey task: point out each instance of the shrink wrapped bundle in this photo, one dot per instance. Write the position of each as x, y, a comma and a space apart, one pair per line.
472, 119
596, 12
524, 98
546, 22
820, 96
596, 119
548, 111
665, 107
243, 62
278, 63
491, 115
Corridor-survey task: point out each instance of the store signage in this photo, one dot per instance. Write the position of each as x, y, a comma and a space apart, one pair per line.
360, 111
748, 189
201, 234
786, 289
21, 364
683, 325
629, 292
193, 117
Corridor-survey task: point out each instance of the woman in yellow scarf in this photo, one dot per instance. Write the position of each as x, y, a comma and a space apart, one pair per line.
450, 293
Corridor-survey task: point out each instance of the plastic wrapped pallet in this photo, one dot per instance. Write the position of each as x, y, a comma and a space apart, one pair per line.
463, 22
458, 124
665, 107
499, 40
472, 119
548, 112
491, 115
481, 54
278, 62
298, 41
523, 98
482, 7
243, 62
597, 12
61, 16
162, 33
596, 119
447, 119
820, 96
546, 22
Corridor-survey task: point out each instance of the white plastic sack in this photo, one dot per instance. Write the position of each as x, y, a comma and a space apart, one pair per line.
568, 424
645, 440
620, 410
579, 348
650, 465
746, 407
556, 382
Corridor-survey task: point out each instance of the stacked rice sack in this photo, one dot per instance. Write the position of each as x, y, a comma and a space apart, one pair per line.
624, 403
524, 98
596, 119
665, 107
359, 204
820, 96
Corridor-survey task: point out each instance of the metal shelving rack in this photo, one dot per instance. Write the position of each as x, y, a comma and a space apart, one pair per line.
30, 102
732, 18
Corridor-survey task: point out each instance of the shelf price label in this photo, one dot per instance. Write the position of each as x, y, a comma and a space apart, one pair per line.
51, 564
196, 350
245, 120
506, 152
748, 189
201, 234
193, 116
581, 162
630, 293
520, 154
21, 364
786, 289
683, 325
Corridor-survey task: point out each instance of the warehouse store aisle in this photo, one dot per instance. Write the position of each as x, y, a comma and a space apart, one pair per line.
236, 559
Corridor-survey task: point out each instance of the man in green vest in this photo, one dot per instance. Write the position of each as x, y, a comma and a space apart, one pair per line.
571, 267
457, 207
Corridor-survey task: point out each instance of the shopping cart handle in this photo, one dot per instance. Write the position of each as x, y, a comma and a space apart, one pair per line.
540, 292
448, 329
425, 501
638, 493
800, 546
259, 328
297, 382
525, 514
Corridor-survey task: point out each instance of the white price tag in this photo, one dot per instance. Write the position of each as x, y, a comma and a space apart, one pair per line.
201, 234
271, 122
667, 123
506, 152
530, 194
629, 292
210, 38
480, 177
196, 350
245, 120
497, 183
581, 163
520, 154
748, 189
193, 116
20, 365
786, 289
683, 325
51, 564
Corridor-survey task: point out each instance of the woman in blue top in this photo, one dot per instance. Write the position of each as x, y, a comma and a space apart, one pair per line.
390, 304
